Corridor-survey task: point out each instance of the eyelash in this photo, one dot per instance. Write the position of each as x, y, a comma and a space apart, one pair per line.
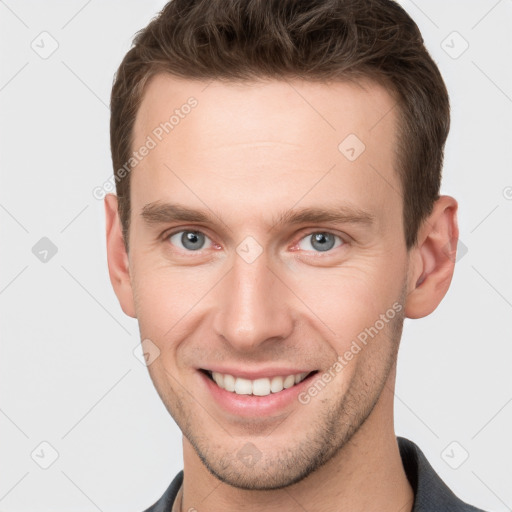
166, 236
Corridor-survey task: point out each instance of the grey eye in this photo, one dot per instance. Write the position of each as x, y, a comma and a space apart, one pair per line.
190, 240
320, 241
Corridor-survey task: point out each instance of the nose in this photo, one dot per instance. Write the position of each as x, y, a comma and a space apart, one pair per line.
253, 307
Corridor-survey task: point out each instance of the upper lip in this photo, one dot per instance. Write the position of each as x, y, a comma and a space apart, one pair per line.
267, 372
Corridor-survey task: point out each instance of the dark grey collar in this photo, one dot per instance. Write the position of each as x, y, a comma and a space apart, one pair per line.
431, 493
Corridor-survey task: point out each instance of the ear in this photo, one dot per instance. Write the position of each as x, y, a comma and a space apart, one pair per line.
432, 259
118, 262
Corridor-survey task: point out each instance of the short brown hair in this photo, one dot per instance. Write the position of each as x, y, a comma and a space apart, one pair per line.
316, 40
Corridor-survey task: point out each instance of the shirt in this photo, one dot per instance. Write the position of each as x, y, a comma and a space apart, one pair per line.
431, 494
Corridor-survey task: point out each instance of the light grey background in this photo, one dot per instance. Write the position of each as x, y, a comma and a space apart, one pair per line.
69, 376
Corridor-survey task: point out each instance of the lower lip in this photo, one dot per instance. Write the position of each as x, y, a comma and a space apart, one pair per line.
253, 405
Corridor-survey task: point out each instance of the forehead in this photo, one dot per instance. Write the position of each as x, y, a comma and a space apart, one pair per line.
235, 138
242, 109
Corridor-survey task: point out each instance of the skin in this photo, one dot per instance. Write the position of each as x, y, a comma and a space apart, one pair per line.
246, 154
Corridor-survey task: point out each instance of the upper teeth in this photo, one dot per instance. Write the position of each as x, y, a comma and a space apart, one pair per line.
260, 387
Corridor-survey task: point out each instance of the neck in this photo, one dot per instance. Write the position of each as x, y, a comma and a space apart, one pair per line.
365, 475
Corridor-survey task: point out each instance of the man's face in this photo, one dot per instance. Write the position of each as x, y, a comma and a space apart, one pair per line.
249, 290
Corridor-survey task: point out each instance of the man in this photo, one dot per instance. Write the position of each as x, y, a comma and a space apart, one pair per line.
278, 215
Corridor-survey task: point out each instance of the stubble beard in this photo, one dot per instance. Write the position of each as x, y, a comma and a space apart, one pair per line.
337, 422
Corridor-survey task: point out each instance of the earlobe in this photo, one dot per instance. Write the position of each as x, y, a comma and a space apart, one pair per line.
118, 262
432, 260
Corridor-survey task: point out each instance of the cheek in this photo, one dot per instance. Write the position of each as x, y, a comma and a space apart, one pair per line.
160, 305
156, 302
350, 298
167, 298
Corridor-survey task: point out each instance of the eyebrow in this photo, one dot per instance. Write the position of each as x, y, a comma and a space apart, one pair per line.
160, 213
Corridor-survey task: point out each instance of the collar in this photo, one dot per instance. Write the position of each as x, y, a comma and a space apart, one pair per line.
430, 492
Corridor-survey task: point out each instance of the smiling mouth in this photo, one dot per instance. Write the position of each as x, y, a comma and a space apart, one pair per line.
259, 387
